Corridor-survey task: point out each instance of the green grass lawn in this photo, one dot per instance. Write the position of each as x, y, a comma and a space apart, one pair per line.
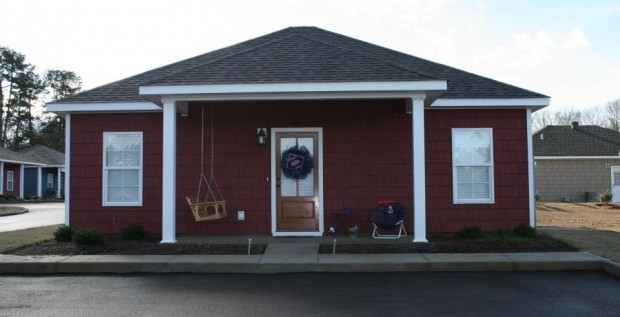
12, 240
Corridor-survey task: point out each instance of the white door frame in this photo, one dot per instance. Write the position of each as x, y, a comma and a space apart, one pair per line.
274, 170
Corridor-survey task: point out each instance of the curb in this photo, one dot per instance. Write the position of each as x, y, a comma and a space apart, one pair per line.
13, 213
260, 264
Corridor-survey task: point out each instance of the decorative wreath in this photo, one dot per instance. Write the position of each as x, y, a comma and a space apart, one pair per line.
297, 162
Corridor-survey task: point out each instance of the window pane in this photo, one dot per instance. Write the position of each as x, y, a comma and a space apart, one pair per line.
130, 194
464, 174
114, 158
464, 191
306, 185
131, 177
480, 174
131, 158
480, 191
115, 177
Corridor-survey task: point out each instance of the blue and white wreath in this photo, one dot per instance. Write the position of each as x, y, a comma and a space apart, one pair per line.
297, 162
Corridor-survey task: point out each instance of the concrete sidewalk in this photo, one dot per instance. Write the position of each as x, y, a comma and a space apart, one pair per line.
289, 258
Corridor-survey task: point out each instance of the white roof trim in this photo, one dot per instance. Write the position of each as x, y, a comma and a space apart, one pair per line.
493, 102
576, 157
293, 96
21, 162
103, 106
295, 88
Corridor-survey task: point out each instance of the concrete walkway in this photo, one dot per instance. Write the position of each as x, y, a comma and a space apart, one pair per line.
304, 257
38, 215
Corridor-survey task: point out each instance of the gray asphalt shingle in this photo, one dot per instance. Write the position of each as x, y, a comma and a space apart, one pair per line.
583, 140
304, 55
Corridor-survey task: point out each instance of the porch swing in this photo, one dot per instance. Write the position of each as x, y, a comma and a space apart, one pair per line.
213, 207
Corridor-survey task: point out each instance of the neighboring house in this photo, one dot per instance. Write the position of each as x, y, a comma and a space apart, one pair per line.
44, 180
36, 171
576, 162
378, 124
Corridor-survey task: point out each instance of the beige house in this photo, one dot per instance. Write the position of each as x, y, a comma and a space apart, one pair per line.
575, 163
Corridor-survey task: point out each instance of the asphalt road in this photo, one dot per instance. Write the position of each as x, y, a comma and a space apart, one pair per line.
313, 294
39, 215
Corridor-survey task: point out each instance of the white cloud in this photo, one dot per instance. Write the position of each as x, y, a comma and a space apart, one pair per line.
104, 41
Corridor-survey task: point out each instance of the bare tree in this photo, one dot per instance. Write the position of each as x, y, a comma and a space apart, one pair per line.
613, 114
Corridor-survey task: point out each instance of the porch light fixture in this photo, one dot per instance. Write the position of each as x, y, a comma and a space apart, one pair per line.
261, 136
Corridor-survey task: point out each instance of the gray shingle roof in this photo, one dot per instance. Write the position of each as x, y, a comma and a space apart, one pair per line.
43, 154
37, 154
8, 155
302, 54
582, 140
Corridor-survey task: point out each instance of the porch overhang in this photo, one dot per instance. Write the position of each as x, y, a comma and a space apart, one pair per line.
431, 89
175, 98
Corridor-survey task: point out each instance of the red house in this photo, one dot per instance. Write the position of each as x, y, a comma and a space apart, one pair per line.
356, 123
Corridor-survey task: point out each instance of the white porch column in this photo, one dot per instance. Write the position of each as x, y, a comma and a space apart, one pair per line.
39, 179
530, 168
21, 181
58, 183
419, 170
169, 172
1, 178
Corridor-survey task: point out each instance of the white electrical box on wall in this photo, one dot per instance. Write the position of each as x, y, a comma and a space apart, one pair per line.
241, 215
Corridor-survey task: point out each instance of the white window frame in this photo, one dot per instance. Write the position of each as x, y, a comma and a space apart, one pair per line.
50, 181
140, 169
10, 181
490, 165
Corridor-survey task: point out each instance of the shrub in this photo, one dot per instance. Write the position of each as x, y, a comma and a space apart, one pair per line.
134, 231
605, 196
525, 231
64, 233
470, 232
505, 233
88, 236
537, 197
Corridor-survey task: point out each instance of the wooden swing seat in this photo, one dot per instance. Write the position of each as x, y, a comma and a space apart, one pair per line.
209, 210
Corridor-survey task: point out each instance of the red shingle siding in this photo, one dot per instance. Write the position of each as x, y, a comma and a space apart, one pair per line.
358, 169
510, 168
16, 168
366, 157
86, 171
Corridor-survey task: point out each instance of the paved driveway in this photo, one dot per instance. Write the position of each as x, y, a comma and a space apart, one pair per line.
39, 215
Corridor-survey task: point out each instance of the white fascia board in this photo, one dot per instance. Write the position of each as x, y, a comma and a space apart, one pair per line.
22, 162
576, 157
292, 88
495, 102
103, 107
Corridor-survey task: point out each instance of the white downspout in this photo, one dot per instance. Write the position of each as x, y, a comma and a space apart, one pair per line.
530, 168
67, 168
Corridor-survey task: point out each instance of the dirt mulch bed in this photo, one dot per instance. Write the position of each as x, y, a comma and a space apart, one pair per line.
445, 244
579, 215
451, 244
115, 246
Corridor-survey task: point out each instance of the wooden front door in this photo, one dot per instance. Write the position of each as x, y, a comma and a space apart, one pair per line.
297, 185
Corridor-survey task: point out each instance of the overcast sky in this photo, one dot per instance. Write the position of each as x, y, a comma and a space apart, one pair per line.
569, 50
